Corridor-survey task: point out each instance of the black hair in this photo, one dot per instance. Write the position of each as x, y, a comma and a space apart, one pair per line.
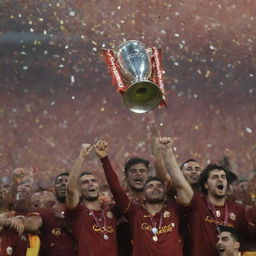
85, 173
153, 178
61, 174
132, 161
231, 230
189, 160
205, 175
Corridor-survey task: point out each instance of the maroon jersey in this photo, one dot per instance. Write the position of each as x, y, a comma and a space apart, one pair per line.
56, 240
13, 244
204, 219
166, 240
91, 237
251, 215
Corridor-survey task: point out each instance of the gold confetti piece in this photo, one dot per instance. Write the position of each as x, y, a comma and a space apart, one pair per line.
207, 74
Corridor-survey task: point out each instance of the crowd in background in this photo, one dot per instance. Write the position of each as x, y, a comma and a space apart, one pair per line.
65, 219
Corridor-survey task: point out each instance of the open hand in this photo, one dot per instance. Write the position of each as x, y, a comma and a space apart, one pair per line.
17, 224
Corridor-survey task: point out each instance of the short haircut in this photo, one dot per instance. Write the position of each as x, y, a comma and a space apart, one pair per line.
132, 161
154, 178
61, 174
231, 230
205, 175
189, 160
84, 173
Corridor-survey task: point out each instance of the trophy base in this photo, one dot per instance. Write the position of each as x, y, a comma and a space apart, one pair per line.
142, 97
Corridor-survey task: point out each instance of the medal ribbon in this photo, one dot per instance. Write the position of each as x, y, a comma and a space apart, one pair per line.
154, 223
213, 212
98, 222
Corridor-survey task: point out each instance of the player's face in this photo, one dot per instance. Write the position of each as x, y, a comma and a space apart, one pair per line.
227, 245
191, 171
137, 176
217, 183
89, 187
61, 186
154, 192
36, 201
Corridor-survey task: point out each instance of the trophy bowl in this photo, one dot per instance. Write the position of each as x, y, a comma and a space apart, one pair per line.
142, 95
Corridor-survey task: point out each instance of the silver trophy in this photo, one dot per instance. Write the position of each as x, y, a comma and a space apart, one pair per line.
142, 95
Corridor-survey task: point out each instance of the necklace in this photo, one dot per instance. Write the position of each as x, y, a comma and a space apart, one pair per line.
97, 221
154, 229
216, 214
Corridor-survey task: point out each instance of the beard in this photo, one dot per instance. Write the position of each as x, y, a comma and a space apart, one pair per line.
91, 198
61, 199
155, 200
219, 196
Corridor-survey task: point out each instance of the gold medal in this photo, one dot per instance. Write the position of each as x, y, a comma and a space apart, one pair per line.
56, 231
155, 238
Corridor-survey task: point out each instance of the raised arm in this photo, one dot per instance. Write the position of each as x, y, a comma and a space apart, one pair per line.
159, 163
122, 200
18, 176
73, 193
184, 190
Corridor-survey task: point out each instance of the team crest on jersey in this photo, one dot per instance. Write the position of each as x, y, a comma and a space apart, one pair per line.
167, 214
232, 216
110, 215
56, 231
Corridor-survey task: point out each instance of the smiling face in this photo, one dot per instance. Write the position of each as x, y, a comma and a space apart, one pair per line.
154, 192
137, 176
89, 187
191, 171
217, 184
227, 245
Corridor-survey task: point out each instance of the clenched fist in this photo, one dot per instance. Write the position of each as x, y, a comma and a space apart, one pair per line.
101, 148
85, 149
165, 143
18, 176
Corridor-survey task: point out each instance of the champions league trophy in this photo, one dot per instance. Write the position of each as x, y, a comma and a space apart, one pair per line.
137, 73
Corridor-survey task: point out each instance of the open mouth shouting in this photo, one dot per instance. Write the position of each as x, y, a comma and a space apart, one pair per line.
220, 186
93, 189
138, 180
221, 250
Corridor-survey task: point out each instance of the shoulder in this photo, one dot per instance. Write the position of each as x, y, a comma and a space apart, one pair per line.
44, 213
235, 206
72, 212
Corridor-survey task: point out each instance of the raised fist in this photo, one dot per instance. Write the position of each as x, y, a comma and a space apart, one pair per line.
101, 148
85, 149
18, 176
165, 142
